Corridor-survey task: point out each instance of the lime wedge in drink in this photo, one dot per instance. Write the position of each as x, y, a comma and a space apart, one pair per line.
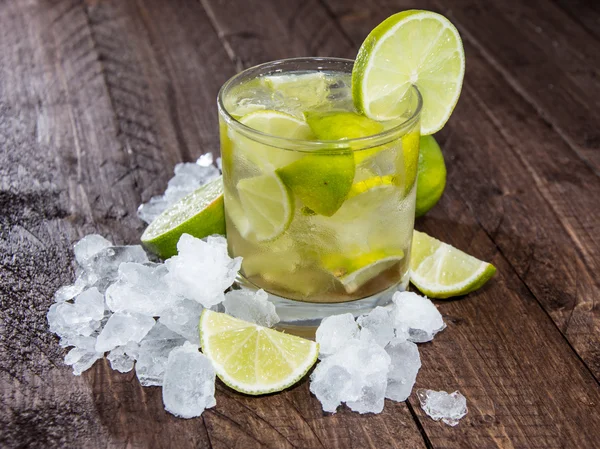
199, 214
354, 272
321, 181
273, 123
412, 47
253, 359
267, 206
441, 271
431, 180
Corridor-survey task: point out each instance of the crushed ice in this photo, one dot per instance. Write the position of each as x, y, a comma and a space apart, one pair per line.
143, 316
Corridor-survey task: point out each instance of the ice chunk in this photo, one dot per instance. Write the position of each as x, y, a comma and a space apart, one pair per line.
79, 341
122, 357
405, 365
122, 328
105, 264
153, 354
141, 289
188, 177
356, 374
378, 325
182, 318
202, 270
89, 246
79, 318
219, 164
416, 316
67, 292
449, 407
334, 332
189, 383
253, 306
81, 359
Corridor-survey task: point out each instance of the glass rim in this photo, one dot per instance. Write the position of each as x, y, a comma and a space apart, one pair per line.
359, 143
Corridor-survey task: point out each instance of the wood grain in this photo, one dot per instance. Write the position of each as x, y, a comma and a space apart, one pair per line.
99, 99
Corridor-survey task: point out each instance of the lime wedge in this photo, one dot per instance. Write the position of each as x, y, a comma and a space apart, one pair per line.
199, 214
274, 123
266, 204
321, 181
441, 271
354, 272
412, 47
431, 180
253, 359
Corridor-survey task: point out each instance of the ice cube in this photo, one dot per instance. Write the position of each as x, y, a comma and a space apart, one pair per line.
122, 328
189, 383
122, 357
79, 318
220, 164
79, 341
202, 270
105, 263
356, 374
148, 212
67, 292
153, 353
81, 359
405, 365
449, 407
88, 246
206, 160
378, 325
334, 332
416, 316
182, 318
252, 306
141, 289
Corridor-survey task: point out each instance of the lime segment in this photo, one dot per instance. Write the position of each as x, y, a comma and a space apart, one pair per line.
253, 359
441, 271
199, 214
431, 180
273, 123
412, 47
321, 181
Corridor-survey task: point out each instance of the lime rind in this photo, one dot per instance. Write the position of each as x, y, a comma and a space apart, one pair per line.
200, 214
252, 359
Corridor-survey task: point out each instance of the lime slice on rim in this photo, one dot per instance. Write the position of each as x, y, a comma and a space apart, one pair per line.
412, 47
266, 204
199, 214
273, 123
441, 271
431, 180
253, 359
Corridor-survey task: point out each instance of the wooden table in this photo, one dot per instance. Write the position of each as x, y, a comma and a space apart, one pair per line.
99, 99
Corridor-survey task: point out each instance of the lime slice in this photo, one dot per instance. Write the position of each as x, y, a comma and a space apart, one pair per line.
410, 160
354, 272
371, 183
267, 205
441, 271
412, 47
321, 181
199, 214
253, 359
274, 123
431, 180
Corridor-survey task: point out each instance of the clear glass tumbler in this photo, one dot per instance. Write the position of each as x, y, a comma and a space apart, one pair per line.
323, 226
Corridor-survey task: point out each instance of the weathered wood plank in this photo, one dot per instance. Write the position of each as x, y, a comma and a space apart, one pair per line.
585, 12
90, 123
521, 179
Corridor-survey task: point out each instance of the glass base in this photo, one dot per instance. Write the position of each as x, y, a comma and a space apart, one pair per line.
302, 318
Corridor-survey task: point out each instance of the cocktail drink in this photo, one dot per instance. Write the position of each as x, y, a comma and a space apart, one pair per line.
319, 199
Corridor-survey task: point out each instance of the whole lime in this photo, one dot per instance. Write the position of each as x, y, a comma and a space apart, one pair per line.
431, 179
